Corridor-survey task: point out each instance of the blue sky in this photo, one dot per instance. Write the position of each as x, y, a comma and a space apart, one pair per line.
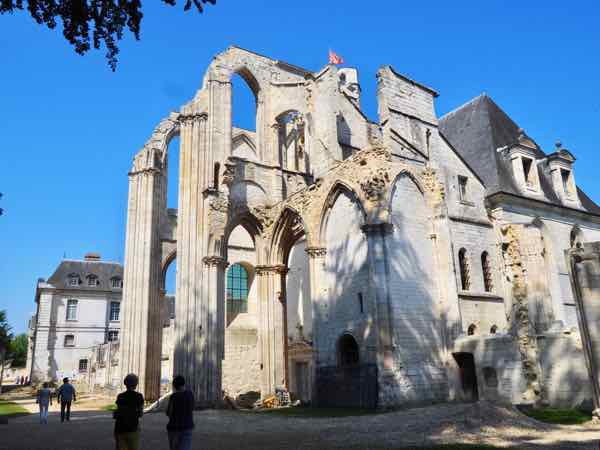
70, 126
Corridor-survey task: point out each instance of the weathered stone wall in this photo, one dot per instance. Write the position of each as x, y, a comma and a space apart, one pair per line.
241, 367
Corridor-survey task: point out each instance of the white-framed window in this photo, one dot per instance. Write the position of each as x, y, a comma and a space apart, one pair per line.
69, 340
116, 282
92, 280
73, 280
463, 188
115, 311
71, 309
83, 365
113, 335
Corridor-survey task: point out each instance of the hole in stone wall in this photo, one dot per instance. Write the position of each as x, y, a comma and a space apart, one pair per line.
348, 353
490, 377
472, 329
243, 104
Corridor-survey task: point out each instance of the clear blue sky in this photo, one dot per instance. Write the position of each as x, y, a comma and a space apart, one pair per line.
70, 126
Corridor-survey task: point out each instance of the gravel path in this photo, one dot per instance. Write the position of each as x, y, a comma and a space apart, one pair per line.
414, 429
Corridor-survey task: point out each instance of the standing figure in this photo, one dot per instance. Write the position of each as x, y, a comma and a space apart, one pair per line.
130, 407
66, 395
181, 416
44, 399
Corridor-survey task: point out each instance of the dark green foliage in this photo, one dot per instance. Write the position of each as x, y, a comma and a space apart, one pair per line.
18, 350
91, 22
5, 334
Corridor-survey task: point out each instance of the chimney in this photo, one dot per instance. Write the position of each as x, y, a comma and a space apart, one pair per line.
92, 256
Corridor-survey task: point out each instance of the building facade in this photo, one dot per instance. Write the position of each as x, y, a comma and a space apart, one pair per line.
353, 262
78, 308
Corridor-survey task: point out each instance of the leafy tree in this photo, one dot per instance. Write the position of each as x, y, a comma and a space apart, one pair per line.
5, 338
91, 22
18, 350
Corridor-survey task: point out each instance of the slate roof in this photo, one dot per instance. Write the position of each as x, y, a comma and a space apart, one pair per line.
104, 270
476, 130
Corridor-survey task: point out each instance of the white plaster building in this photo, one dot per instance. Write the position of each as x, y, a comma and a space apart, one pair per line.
355, 262
78, 307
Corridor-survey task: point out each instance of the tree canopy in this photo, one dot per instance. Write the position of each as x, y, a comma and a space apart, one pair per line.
5, 332
18, 350
88, 23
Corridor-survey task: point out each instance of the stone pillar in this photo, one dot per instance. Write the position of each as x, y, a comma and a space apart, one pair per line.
141, 333
378, 274
318, 295
584, 270
272, 327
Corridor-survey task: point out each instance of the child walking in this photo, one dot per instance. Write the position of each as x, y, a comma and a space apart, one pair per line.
181, 416
130, 407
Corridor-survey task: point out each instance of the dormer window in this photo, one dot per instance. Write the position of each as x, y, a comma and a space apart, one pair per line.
462, 188
73, 279
566, 181
527, 171
116, 283
560, 165
92, 281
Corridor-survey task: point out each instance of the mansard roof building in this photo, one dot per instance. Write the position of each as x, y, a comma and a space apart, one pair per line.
415, 258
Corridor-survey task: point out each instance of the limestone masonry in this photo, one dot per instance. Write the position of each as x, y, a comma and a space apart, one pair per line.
355, 263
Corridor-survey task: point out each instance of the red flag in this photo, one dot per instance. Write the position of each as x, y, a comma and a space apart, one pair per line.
335, 58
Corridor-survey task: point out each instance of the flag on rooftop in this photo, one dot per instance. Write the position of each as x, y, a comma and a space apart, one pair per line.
334, 58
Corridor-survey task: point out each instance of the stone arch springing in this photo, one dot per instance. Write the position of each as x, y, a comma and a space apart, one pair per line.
288, 229
464, 266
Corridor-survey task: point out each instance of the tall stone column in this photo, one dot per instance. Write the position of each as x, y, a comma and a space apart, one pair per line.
378, 274
272, 327
141, 334
318, 295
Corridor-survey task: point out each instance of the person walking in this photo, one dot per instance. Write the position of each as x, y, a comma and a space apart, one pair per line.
130, 407
65, 395
44, 399
181, 416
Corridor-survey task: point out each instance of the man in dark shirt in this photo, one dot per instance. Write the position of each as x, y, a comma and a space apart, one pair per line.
181, 416
65, 395
130, 407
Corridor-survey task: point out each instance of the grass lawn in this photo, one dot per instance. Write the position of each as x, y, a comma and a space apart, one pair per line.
109, 407
558, 416
8, 409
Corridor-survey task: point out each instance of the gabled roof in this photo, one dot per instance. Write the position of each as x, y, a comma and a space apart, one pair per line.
480, 127
104, 270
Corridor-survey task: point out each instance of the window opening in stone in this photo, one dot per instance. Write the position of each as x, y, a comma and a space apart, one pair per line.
487, 272
92, 280
527, 171
172, 159
115, 311
69, 340
290, 130
216, 176
462, 187
490, 377
576, 238
360, 302
113, 336
237, 291
565, 175
463, 263
471, 330
71, 309
348, 354
243, 104
83, 365
494, 329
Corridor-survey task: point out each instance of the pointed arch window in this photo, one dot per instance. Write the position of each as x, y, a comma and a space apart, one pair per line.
488, 282
463, 262
237, 291
348, 353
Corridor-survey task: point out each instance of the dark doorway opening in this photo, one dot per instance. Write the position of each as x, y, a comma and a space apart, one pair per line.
468, 375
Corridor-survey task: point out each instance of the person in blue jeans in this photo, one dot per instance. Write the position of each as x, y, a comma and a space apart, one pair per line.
66, 395
181, 416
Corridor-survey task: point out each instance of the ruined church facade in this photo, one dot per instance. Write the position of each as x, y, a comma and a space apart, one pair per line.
411, 260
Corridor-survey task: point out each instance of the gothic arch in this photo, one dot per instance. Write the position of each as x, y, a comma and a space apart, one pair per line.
340, 187
167, 261
254, 228
405, 172
288, 229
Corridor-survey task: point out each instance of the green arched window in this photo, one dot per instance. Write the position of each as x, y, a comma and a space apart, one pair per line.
237, 291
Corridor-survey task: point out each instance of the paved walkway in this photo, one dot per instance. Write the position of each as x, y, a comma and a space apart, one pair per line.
468, 423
